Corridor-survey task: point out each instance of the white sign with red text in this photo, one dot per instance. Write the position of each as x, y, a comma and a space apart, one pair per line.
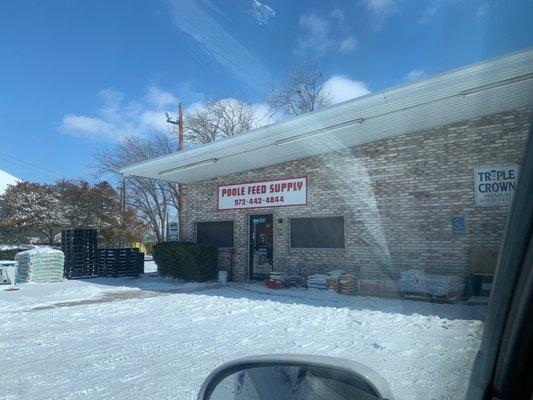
282, 192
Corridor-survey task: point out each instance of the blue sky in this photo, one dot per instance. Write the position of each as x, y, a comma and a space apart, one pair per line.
77, 76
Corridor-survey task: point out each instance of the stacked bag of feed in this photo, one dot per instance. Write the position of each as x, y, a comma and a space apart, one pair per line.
40, 265
417, 281
325, 281
412, 280
333, 283
348, 284
443, 285
333, 280
318, 281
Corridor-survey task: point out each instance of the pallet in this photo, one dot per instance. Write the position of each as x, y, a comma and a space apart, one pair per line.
80, 249
119, 262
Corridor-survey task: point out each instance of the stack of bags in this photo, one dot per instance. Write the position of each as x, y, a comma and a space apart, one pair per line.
333, 280
318, 281
348, 285
294, 280
276, 280
333, 283
40, 265
432, 284
443, 285
412, 280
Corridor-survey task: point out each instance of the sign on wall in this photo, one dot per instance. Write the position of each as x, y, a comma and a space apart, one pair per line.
495, 184
282, 192
173, 231
458, 225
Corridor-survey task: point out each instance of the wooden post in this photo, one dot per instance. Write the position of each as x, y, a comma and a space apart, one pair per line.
179, 122
122, 210
180, 127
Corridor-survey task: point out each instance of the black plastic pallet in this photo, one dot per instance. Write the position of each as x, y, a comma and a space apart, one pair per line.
80, 249
119, 262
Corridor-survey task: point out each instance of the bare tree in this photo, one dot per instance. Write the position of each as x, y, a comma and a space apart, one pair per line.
301, 93
152, 199
222, 118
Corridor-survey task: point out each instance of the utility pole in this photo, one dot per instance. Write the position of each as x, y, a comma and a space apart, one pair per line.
180, 186
179, 122
123, 210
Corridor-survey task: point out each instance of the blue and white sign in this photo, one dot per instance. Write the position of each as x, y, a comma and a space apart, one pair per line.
495, 184
459, 225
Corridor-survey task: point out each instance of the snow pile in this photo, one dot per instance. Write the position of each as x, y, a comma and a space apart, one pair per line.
164, 346
40, 265
417, 281
5, 180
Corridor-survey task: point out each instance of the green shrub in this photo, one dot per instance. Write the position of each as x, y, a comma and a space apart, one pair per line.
188, 261
9, 255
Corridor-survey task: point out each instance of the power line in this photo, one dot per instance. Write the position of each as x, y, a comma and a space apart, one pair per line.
16, 160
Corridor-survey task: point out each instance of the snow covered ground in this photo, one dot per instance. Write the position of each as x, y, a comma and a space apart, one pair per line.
159, 338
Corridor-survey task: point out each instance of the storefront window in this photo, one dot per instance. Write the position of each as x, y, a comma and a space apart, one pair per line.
325, 232
219, 233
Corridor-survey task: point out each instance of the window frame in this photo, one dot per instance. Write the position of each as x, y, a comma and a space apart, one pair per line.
217, 221
343, 248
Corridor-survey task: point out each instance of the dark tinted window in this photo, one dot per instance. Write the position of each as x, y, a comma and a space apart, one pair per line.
317, 232
219, 234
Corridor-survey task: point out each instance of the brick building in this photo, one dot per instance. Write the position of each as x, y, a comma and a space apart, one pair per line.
413, 176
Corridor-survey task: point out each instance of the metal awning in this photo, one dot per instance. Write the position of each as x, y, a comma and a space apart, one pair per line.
474, 91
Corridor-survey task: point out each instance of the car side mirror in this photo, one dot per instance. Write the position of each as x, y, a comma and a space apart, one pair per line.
297, 377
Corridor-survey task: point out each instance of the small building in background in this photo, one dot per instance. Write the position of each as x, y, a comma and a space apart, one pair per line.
7, 179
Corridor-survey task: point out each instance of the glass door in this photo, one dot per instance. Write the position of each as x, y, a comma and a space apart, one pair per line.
261, 246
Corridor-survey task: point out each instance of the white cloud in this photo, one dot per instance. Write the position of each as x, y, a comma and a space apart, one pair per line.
319, 34
263, 13
82, 126
348, 45
316, 35
160, 98
482, 10
381, 7
338, 14
341, 88
429, 13
153, 120
117, 118
262, 115
415, 74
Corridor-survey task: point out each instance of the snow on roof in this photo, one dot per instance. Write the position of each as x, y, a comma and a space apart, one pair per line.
7, 179
470, 92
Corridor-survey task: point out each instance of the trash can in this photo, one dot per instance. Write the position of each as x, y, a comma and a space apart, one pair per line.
222, 276
8, 272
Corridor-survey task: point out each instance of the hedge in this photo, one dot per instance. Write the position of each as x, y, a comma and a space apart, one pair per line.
9, 254
188, 261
